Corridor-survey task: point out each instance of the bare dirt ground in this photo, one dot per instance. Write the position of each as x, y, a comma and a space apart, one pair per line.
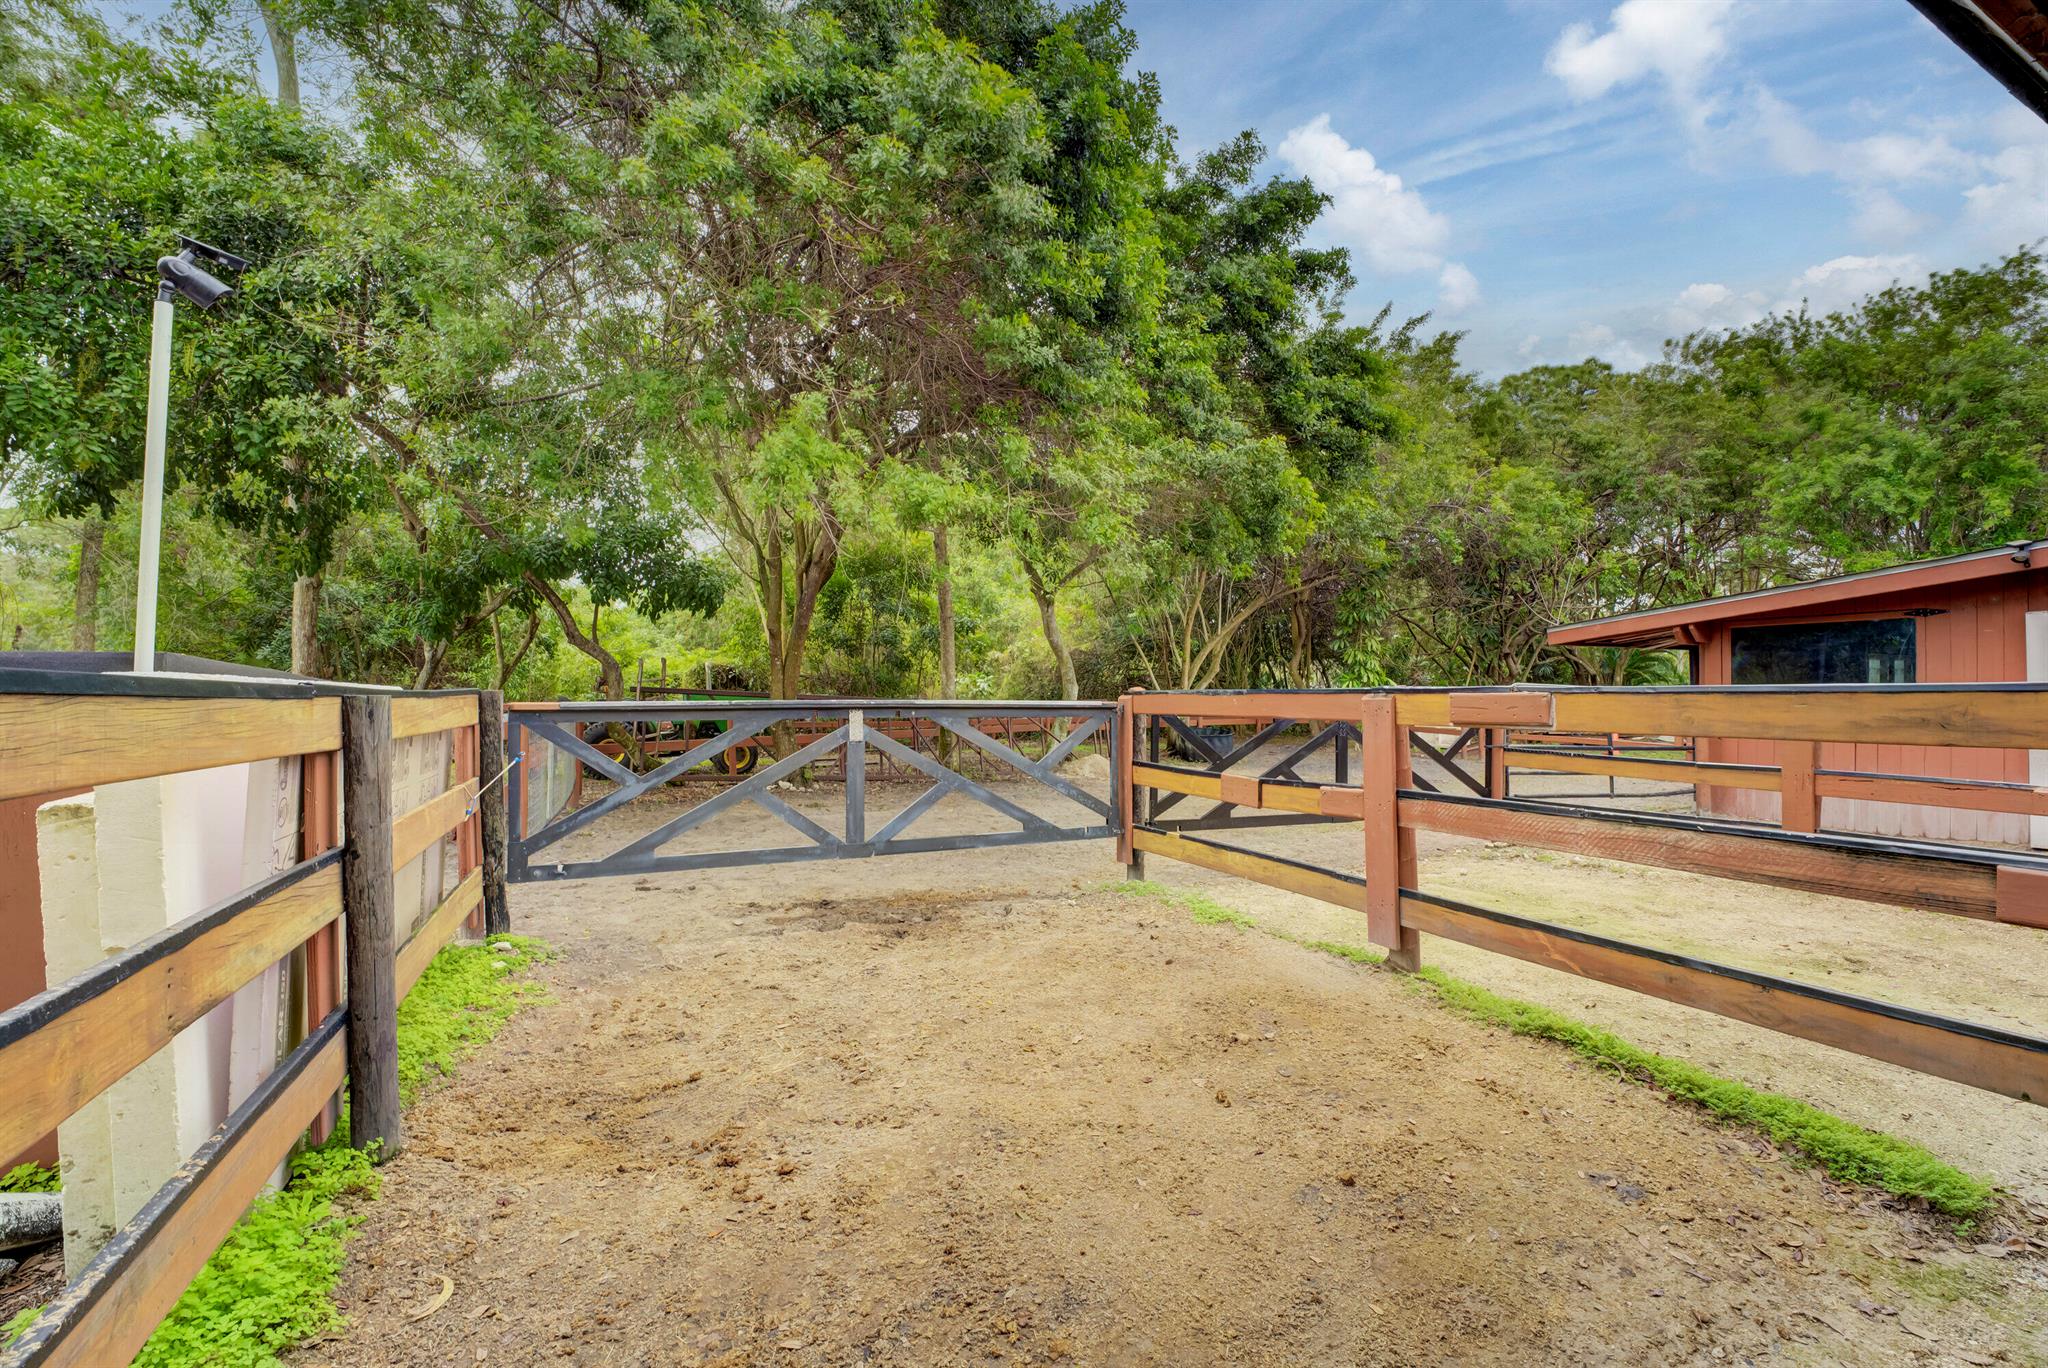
975, 1107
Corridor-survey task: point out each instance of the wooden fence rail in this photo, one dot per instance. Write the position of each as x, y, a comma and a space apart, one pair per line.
66, 1046
1989, 884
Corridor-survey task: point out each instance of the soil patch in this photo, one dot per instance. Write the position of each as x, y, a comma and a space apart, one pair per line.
808, 1116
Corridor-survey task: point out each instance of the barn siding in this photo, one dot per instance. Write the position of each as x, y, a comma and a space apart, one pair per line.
1980, 638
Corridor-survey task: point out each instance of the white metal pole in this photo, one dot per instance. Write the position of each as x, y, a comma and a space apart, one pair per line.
157, 418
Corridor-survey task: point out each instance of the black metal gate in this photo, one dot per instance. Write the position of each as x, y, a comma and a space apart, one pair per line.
704, 739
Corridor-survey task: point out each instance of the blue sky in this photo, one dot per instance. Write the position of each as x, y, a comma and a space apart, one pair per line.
1562, 179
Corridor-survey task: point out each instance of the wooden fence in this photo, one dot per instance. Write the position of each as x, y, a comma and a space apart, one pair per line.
1992, 884
64, 1047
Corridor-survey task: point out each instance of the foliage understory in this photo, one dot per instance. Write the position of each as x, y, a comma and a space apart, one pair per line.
271, 1283
29, 1178
1845, 1151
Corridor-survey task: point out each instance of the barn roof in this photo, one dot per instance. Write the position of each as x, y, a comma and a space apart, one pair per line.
1837, 593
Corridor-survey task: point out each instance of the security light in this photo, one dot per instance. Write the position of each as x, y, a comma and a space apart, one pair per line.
183, 274
178, 275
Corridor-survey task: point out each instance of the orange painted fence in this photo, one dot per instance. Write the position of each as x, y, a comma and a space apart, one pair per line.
63, 1047
2001, 885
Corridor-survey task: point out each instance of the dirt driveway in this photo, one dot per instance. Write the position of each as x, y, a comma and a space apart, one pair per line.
954, 1109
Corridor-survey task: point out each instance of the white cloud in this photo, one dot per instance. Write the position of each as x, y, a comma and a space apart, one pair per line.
1388, 223
1711, 304
1529, 346
2012, 207
1881, 159
1879, 215
1842, 281
1677, 43
1457, 288
1599, 340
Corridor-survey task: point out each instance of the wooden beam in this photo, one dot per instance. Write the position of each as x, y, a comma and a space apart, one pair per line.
1798, 801
1521, 708
1952, 793
367, 907
1913, 715
1831, 865
438, 713
429, 823
1672, 771
1174, 781
1333, 800
436, 931
1390, 864
2023, 896
1983, 1057
64, 1047
497, 783
1306, 880
107, 1315
50, 742
1125, 806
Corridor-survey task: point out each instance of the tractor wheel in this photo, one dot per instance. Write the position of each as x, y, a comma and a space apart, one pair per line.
741, 759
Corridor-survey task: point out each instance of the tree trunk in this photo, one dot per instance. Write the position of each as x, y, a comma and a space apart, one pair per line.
942, 560
1049, 619
305, 622
85, 597
611, 679
284, 50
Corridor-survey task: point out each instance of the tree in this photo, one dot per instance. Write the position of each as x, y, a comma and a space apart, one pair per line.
111, 150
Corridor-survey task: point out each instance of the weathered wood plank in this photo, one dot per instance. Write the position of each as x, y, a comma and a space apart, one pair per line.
1982, 1057
1522, 708
420, 716
436, 931
1922, 716
1126, 805
1275, 873
2023, 896
1624, 767
55, 741
1961, 887
62, 1048
1892, 788
107, 1315
1390, 864
429, 822
490, 742
1798, 802
368, 900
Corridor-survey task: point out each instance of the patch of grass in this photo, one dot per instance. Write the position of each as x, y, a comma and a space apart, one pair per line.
18, 1324
30, 1178
270, 1284
1357, 954
1845, 1151
1205, 911
465, 997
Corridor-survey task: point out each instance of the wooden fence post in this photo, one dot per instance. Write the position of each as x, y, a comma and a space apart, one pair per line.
319, 832
854, 761
1383, 771
1493, 749
366, 906
1798, 802
1129, 805
490, 748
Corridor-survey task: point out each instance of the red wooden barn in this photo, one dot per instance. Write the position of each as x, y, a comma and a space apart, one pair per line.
1981, 617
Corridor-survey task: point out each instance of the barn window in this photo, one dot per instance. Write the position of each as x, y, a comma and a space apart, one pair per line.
1868, 652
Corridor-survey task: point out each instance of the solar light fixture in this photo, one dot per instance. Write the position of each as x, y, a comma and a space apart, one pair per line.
184, 275
178, 276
